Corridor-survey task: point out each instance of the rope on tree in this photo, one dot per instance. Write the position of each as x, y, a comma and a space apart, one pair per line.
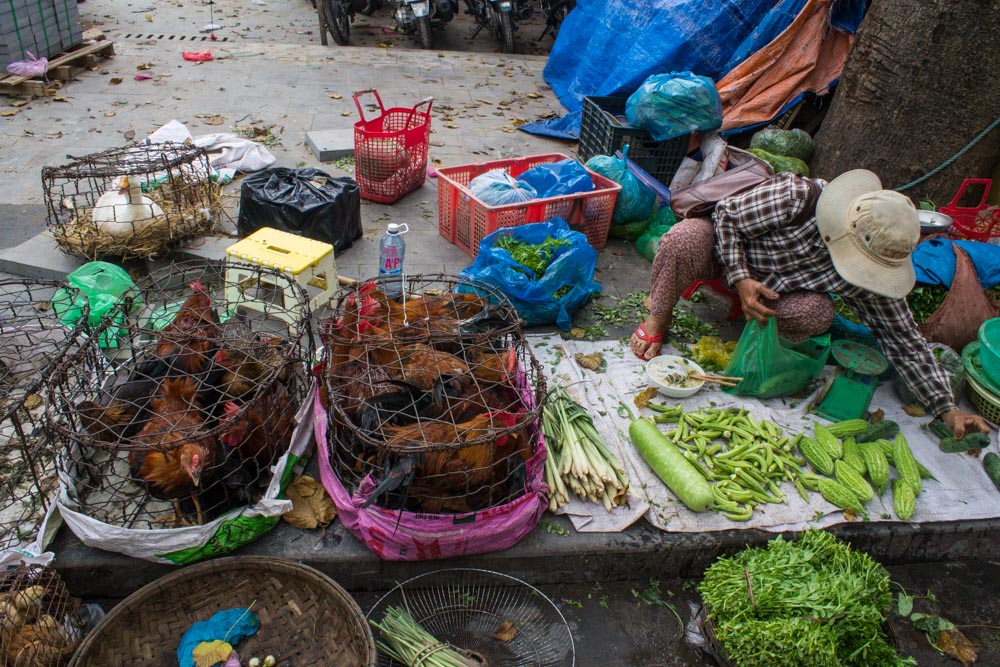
947, 163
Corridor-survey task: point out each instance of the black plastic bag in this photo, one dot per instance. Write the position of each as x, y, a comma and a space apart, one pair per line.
307, 202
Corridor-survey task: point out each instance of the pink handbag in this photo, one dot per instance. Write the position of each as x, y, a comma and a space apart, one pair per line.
698, 200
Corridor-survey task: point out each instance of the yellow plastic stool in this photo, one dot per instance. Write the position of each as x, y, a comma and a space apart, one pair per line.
310, 263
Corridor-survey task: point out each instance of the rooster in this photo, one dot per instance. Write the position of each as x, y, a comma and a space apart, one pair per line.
108, 424
244, 366
263, 433
369, 395
174, 456
186, 344
449, 305
458, 471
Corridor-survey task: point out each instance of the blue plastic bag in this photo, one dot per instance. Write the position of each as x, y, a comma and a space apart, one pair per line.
669, 105
572, 266
635, 201
554, 179
498, 188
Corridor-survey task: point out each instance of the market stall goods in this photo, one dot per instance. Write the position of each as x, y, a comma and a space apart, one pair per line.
178, 409
39, 626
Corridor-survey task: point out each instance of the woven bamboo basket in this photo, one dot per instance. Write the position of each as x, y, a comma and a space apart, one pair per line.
306, 618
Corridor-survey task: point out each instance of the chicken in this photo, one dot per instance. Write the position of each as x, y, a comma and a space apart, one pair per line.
263, 433
108, 424
188, 343
449, 305
174, 455
457, 471
243, 367
369, 396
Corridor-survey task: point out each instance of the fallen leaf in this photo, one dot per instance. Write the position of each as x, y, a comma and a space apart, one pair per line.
53, 135
10, 112
643, 398
311, 506
850, 514
115, 80
18, 103
505, 632
129, 134
209, 654
958, 646
577, 332
145, 66
60, 98
149, 17
345, 113
451, 126
336, 96
876, 416
914, 410
32, 401
213, 120
109, 114
534, 96
594, 361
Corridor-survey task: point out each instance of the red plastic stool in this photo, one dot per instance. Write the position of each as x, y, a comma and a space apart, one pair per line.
719, 287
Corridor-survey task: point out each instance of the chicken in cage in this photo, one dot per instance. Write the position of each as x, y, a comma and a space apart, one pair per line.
39, 626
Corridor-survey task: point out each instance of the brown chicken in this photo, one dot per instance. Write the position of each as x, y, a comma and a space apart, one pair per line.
175, 456
450, 305
370, 396
243, 366
186, 344
456, 472
108, 424
263, 433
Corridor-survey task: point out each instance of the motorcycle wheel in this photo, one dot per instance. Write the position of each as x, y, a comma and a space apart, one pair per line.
505, 32
338, 21
424, 32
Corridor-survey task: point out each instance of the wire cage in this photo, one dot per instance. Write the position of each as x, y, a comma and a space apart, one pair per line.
182, 421
38, 617
442, 411
131, 202
33, 339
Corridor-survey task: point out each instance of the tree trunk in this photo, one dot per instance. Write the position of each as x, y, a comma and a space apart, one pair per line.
922, 80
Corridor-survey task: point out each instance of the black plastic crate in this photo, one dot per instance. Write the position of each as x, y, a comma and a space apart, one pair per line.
604, 130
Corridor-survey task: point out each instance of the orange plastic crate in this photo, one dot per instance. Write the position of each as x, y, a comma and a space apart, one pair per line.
465, 221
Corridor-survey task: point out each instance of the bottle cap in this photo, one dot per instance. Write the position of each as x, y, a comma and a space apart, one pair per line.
393, 228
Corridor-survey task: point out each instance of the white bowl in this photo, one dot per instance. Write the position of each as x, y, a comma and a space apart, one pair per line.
934, 222
658, 367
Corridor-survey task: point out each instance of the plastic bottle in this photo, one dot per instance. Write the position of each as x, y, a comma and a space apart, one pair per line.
391, 250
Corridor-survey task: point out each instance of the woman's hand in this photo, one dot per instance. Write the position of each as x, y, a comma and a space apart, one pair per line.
961, 423
752, 292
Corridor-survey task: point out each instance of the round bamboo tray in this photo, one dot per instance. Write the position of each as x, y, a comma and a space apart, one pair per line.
306, 618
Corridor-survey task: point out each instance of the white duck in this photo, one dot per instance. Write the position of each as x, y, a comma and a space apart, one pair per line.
126, 210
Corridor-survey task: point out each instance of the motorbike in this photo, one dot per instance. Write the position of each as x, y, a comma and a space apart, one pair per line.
417, 17
339, 15
555, 11
498, 16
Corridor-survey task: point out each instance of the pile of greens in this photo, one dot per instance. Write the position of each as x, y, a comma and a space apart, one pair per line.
536, 258
811, 603
923, 301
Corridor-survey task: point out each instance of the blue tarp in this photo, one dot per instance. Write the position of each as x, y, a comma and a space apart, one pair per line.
934, 262
707, 37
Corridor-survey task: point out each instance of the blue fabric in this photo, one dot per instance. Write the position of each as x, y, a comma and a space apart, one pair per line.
532, 296
229, 625
775, 23
555, 179
647, 37
934, 262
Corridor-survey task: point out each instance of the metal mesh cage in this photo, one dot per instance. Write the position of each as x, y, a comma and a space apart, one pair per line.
177, 411
38, 617
33, 340
435, 397
131, 202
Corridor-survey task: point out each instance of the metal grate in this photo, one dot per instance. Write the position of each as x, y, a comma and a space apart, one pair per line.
179, 38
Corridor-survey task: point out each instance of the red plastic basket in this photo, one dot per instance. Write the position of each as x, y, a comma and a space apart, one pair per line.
976, 223
465, 220
390, 151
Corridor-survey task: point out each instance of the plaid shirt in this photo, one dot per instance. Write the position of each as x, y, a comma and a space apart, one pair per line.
755, 238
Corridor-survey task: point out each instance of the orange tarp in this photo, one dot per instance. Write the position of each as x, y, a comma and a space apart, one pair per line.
808, 55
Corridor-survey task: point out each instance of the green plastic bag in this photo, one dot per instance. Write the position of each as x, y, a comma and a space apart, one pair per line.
773, 366
101, 284
648, 243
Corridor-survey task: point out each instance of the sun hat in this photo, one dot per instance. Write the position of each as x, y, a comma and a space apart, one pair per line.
870, 233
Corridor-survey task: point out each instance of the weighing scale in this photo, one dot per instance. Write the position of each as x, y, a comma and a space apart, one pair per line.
848, 393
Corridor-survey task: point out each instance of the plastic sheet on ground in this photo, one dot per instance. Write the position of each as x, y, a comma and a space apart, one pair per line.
962, 490
226, 151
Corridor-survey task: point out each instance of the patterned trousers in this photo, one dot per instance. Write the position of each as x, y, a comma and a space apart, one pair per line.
686, 254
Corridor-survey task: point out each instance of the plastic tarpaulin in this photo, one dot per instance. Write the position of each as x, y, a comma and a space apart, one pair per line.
647, 37
934, 262
807, 56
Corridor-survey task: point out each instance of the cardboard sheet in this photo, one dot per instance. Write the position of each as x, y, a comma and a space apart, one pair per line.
962, 489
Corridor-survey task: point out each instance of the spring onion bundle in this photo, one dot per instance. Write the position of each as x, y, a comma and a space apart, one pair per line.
406, 641
578, 460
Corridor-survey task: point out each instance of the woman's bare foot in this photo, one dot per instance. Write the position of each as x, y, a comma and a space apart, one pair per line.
648, 338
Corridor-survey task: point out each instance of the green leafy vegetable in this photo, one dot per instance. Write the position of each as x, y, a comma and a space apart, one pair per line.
810, 603
536, 258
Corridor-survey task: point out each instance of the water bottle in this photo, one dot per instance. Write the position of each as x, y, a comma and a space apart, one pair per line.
391, 249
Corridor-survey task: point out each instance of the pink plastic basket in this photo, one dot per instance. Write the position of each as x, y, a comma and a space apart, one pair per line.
390, 151
465, 220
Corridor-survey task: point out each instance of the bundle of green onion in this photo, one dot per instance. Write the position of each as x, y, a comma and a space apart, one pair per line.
578, 460
406, 641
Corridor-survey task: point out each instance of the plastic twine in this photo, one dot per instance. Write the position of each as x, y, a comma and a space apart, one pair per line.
947, 163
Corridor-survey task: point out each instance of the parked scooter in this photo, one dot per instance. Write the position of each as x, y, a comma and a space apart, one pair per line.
498, 16
417, 16
339, 15
555, 11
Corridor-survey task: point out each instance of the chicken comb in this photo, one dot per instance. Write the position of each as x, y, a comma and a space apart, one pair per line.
220, 356
367, 287
197, 286
369, 305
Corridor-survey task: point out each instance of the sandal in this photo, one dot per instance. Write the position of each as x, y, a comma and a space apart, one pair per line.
646, 337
